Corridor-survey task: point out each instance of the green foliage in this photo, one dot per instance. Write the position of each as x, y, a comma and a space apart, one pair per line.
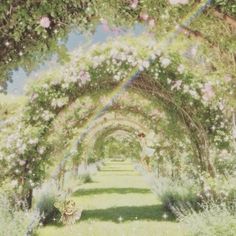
174, 193
25, 43
227, 6
85, 178
91, 158
45, 205
214, 220
16, 222
225, 163
9, 106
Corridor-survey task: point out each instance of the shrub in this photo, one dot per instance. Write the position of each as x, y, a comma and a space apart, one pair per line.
16, 222
176, 193
49, 194
99, 165
92, 169
214, 220
85, 172
91, 159
46, 208
85, 178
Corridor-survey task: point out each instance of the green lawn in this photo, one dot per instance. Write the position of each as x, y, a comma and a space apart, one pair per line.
118, 202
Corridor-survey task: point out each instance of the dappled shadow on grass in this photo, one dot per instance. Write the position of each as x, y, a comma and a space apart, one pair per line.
114, 175
94, 191
124, 214
116, 170
127, 213
57, 224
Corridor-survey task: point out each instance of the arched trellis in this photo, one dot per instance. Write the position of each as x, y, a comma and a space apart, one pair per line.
108, 122
154, 117
121, 108
185, 113
107, 126
115, 118
124, 105
119, 118
109, 66
115, 123
106, 136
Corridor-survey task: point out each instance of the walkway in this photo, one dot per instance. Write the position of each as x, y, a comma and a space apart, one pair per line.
117, 203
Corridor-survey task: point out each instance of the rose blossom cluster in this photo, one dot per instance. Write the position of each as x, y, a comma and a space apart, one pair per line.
45, 22
134, 3
175, 2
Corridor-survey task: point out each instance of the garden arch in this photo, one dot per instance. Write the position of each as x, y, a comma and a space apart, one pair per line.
154, 119
112, 125
153, 73
116, 118
123, 107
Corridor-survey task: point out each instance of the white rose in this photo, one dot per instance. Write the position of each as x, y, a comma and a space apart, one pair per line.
165, 62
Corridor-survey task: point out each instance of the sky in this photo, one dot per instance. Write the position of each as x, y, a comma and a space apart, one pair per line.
75, 40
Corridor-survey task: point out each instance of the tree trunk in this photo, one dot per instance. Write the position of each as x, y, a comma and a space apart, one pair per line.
26, 198
75, 168
29, 198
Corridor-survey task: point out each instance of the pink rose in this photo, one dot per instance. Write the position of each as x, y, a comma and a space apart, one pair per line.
45, 22
144, 16
134, 4
207, 92
151, 23
105, 25
84, 77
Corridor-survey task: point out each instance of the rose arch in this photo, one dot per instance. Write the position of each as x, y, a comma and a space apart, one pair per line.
128, 104
123, 111
127, 64
122, 115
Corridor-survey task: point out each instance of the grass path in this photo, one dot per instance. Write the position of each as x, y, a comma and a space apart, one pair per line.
119, 203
